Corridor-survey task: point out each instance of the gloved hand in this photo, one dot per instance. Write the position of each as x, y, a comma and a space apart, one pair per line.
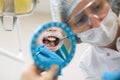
112, 75
47, 58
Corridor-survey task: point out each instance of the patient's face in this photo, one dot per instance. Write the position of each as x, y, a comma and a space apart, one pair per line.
51, 38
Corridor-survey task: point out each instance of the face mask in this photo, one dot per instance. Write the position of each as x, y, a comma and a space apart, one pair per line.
103, 35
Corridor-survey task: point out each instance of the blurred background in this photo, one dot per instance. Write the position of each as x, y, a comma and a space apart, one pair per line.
11, 69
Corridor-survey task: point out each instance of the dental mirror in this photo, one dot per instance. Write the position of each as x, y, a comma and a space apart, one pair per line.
57, 37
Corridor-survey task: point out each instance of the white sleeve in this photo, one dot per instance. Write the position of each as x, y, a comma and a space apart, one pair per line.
85, 73
86, 66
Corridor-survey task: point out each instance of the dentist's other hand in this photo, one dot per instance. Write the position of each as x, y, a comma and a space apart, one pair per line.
112, 75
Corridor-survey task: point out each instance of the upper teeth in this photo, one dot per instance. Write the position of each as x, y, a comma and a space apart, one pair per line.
51, 39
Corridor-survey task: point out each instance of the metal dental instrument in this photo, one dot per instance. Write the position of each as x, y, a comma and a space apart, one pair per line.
64, 38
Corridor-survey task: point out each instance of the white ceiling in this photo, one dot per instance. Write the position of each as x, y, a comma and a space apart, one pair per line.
43, 6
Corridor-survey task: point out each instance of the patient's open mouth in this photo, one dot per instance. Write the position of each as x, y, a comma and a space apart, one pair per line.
51, 41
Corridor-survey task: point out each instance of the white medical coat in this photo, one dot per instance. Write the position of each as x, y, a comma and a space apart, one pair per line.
95, 61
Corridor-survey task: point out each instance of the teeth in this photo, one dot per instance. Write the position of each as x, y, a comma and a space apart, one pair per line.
51, 44
51, 39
